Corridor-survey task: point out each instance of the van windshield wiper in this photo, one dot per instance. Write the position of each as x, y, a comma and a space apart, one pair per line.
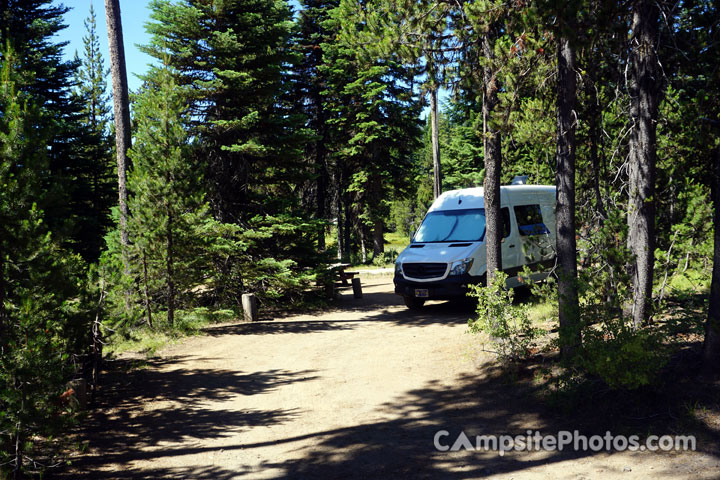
451, 231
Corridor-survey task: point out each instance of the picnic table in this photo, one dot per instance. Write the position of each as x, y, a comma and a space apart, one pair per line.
342, 273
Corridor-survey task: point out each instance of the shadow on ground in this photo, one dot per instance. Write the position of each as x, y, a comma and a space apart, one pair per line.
173, 402
491, 401
401, 446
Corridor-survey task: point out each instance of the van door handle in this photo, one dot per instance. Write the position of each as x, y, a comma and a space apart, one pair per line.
511, 246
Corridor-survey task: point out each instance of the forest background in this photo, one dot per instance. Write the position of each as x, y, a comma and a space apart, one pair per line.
267, 142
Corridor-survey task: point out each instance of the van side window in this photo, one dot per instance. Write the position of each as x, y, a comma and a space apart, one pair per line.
505, 211
529, 219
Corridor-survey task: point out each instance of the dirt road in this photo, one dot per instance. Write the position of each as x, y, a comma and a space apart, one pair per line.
357, 392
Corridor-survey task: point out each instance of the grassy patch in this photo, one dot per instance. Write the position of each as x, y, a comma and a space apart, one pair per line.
692, 280
543, 311
396, 240
148, 341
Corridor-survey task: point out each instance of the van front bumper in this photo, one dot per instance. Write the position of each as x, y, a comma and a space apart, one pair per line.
449, 288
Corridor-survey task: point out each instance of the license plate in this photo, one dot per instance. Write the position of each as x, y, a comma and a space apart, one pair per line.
421, 292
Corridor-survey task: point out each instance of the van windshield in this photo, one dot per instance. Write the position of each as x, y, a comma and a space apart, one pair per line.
452, 226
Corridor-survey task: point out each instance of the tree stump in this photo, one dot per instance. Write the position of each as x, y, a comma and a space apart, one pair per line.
249, 305
357, 287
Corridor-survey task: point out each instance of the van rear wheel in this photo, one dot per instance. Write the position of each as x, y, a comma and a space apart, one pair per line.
413, 303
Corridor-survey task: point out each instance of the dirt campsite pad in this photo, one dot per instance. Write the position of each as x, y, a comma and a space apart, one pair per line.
357, 392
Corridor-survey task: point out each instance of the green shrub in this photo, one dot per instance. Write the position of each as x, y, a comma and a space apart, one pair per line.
622, 356
509, 326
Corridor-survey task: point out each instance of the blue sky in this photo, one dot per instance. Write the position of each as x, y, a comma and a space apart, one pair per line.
134, 15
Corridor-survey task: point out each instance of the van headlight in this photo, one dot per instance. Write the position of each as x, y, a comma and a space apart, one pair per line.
461, 266
398, 268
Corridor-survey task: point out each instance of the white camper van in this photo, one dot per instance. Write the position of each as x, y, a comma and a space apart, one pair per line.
448, 250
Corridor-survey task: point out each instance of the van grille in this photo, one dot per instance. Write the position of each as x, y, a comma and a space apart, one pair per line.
424, 270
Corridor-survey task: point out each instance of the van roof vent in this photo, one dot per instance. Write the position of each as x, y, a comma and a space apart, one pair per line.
520, 180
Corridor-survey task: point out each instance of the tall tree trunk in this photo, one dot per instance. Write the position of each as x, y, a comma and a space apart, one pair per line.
565, 208
493, 163
363, 244
378, 239
711, 347
644, 93
121, 104
338, 198
435, 134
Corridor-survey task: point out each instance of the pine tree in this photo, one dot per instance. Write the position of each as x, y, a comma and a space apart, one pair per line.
30, 27
568, 304
375, 131
645, 92
689, 149
38, 282
488, 20
498, 52
94, 186
165, 202
235, 56
123, 140
461, 145
415, 33
309, 94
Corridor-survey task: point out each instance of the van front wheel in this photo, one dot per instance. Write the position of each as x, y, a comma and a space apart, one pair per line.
413, 303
